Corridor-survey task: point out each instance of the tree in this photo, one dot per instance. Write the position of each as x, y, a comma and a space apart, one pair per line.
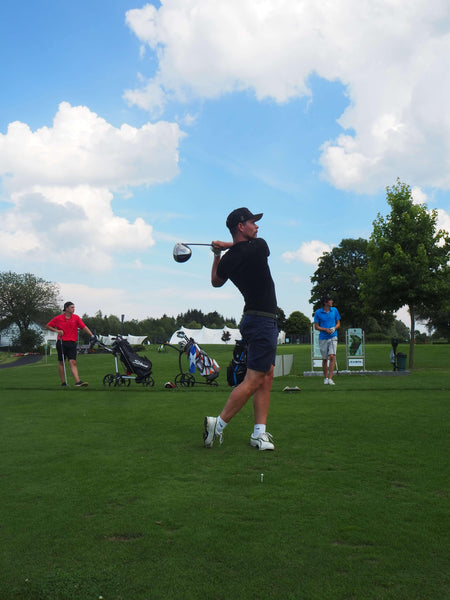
28, 340
281, 319
407, 259
26, 299
297, 324
338, 274
439, 320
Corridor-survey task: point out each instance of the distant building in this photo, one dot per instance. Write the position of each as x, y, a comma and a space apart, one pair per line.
8, 334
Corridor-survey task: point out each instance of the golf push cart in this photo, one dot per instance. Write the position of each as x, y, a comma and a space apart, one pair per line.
138, 368
197, 359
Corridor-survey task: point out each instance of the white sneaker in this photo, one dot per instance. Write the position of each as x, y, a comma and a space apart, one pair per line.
330, 382
262, 441
210, 433
326, 381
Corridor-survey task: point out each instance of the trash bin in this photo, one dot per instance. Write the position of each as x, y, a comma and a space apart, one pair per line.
401, 361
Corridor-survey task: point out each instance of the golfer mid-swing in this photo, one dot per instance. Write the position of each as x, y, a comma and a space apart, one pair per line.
67, 326
245, 264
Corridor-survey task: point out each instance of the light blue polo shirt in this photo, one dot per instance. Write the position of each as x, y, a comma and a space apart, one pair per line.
327, 320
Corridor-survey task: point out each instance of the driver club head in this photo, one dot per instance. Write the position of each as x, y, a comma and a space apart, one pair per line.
181, 253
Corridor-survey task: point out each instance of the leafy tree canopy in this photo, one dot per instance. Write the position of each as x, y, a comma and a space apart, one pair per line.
407, 259
281, 319
338, 274
25, 298
297, 324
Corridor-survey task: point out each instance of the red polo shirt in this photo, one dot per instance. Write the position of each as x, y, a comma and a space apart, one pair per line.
69, 326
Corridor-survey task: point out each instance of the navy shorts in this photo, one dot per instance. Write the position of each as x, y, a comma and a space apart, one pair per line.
70, 350
261, 336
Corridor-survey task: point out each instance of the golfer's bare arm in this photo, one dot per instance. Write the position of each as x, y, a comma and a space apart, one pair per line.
217, 281
55, 329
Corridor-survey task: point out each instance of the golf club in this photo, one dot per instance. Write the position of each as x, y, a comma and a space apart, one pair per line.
63, 359
182, 251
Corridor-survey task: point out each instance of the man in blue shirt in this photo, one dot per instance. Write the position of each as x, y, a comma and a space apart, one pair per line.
327, 320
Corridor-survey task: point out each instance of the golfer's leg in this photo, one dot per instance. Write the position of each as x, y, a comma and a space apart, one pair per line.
325, 367
261, 399
332, 362
74, 369
239, 396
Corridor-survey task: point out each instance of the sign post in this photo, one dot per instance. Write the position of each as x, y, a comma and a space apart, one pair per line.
316, 357
355, 346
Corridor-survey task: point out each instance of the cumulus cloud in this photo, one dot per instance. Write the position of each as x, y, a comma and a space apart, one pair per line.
391, 56
443, 220
61, 180
309, 252
83, 148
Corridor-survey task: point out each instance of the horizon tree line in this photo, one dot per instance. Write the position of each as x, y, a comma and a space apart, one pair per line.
406, 261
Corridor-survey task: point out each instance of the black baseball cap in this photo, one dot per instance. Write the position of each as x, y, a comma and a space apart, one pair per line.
240, 215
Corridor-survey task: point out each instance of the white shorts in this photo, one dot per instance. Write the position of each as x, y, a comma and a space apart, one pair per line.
328, 347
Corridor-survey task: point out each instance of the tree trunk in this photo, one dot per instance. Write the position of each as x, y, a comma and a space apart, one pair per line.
412, 336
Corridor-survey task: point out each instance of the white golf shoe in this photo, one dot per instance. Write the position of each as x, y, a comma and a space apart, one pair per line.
210, 433
262, 441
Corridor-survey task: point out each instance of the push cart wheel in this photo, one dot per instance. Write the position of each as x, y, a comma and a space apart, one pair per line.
148, 381
123, 381
109, 380
184, 379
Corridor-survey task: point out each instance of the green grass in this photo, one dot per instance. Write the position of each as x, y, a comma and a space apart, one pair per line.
109, 492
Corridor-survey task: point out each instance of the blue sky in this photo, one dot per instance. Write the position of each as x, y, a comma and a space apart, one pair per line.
126, 127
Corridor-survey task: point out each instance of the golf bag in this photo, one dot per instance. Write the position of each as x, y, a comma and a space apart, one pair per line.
237, 368
140, 366
198, 359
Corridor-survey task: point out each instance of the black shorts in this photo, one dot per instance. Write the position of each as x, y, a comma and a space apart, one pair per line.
69, 348
261, 336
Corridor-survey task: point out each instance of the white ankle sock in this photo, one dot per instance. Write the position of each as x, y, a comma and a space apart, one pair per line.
220, 425
259, 428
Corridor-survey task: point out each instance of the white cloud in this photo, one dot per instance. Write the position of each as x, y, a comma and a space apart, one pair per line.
82, 148
50, 223
309, 252
110, 300
418, 195
390, 55
443, 220
61, 180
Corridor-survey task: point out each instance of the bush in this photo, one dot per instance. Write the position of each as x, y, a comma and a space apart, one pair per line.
421, 338
28, 340
377, 336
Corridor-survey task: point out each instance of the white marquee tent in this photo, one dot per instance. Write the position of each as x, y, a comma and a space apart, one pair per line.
214, 336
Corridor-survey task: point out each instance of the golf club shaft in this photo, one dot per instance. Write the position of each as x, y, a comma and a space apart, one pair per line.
185, 244
63, 358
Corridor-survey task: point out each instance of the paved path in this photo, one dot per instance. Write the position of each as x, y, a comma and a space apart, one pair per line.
22, 360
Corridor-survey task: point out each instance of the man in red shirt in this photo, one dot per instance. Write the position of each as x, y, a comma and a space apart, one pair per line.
67, 326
